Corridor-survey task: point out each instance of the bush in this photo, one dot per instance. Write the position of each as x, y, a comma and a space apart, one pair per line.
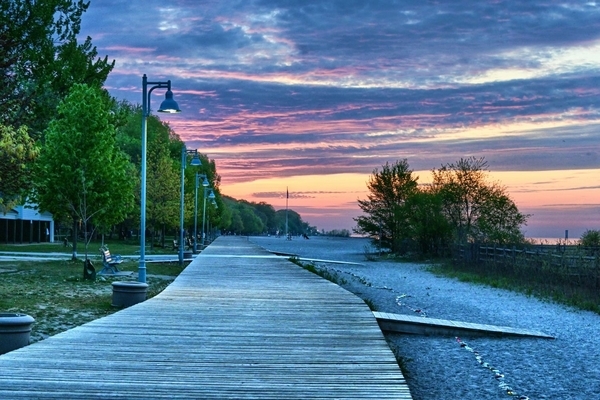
590, 238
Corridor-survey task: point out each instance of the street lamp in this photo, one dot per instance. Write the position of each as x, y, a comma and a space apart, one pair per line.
195, 162
212, 197
205, 183
211, 230
167, 106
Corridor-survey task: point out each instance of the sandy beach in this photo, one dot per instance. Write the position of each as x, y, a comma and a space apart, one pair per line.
438, 367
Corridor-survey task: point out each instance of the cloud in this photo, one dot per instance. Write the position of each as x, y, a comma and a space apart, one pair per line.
298, 195
293, 87
281, 195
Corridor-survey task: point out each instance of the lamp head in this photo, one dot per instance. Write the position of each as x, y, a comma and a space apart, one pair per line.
195, 160
169, 105
205, 182
211, 195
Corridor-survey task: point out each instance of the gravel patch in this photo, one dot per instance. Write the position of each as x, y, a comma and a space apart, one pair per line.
441, 367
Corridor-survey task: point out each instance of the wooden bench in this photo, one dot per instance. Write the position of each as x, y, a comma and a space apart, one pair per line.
109, 261
187, 246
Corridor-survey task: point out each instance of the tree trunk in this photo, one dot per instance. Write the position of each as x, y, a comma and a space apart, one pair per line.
86, 239
74, 239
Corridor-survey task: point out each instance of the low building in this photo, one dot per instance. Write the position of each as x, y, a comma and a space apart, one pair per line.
24, 224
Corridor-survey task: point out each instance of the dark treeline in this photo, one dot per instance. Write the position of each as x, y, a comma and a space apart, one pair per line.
249, 218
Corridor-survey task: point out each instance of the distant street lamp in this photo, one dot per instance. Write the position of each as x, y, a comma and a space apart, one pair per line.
214, 203
205, 183
167, 106
212, 197
195, 162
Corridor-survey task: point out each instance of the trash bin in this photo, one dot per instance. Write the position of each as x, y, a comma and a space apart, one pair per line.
15, 330
126, 294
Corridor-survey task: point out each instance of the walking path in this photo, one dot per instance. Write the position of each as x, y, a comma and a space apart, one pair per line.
242, 326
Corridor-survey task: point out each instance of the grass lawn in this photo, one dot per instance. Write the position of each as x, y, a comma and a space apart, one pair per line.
130, 247
55, 293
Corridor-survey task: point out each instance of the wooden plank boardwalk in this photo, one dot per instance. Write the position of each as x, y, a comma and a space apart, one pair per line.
236, 324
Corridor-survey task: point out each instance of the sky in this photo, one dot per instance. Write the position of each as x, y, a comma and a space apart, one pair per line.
313, 96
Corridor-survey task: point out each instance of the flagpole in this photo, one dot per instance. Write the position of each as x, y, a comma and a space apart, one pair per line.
287, 196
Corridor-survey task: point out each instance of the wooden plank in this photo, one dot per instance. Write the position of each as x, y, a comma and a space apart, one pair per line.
431, 326
230, 326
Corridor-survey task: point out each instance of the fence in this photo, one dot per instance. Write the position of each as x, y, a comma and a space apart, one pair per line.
574, 270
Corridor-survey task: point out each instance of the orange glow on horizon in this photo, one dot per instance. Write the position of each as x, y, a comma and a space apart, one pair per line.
330, 199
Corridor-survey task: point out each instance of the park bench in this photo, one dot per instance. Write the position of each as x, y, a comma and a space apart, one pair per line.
188, 244
109, 262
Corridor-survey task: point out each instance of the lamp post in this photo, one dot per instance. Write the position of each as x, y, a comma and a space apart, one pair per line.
195, 162
168, 106
212, 229
212, 197
205, 183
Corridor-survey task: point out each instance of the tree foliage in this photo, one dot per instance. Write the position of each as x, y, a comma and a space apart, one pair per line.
590, 238
162, 194
17, 153
295, 224
477, 210
460, 205
163, 187
81, 173
40, 59
249, 218
386, 214
267, 215
429, 229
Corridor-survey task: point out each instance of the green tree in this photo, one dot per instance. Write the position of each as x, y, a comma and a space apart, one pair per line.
80, 173
296, 225
40, 59
162, 167
163, 178
266, 213
17, 152
500, 220
590, 238
386, 215
162, 194
253, 225
248, 218
428, 227
476, 209
237, 225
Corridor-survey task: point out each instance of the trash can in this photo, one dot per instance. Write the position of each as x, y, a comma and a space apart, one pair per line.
126, 294
15, 330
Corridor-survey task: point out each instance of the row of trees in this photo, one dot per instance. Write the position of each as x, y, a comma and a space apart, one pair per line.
40, 60
75, 151
460, 205
248, 218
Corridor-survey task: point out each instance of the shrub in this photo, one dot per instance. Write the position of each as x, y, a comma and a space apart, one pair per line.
590, 238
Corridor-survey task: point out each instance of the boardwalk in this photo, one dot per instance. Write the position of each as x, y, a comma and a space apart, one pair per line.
237, 323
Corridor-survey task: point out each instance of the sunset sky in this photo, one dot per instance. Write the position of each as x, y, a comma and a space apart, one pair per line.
314, 95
